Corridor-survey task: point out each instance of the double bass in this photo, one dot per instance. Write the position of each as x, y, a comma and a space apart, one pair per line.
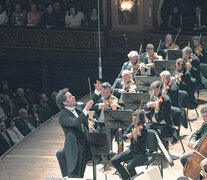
192, 167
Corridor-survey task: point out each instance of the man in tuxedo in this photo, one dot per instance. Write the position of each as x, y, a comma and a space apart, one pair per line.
158, 111
73, 119
5, 139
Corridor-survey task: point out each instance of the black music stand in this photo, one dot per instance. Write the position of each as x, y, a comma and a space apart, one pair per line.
117, 119
133, 100
100, 145
143, 82
163, 66
174, 54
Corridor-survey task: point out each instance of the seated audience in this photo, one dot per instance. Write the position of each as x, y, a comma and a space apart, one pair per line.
33, 114
74, 19
18, 16
52, 103
92, 22
3, 15
8, 8
25, 124
43, 109
14, 133
20, 100
5, 139
199, 19
5, 89
34, 16
49, 18
59, 12
175, 20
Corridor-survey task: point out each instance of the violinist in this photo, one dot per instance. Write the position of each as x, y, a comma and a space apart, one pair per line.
168, 44
133, 65
197, 135
158, 111
198, 49
181, 76
136, 153
124, 84
148, 57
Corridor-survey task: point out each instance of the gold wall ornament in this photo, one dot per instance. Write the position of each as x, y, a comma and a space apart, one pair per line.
126, 7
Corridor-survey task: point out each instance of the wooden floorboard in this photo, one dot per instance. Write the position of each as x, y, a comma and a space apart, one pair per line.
35, 159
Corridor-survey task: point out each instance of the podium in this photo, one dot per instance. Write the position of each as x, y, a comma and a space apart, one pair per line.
133, 100
100, 145
143, 82
163, 66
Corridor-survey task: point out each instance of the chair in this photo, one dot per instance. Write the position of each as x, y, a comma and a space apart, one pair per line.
203, 71
184, 103
176, 117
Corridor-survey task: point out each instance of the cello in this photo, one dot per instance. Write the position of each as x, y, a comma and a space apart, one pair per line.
192, 167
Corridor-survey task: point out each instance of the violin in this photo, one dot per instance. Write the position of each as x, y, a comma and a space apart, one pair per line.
91, 125
198, 50
139, 128
158, 101
155, 56
111, 101
130, 86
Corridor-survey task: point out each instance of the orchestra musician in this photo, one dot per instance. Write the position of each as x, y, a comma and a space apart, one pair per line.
172, 90
73, 119
148, 57
133, 65
168, 44
158, 111
124, 84
198, 49
136, 153
181, 76
196, 136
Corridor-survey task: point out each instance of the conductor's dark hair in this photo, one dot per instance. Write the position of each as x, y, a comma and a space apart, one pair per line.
61, 97
140, 115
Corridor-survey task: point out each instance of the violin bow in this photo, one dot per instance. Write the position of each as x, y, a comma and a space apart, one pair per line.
89, 85
140, 50
200, 38
177, 35
189, 44
158, 48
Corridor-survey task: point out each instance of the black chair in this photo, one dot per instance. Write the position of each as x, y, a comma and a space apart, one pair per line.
184, 103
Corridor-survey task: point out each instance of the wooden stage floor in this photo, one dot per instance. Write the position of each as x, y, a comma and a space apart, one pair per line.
35, 159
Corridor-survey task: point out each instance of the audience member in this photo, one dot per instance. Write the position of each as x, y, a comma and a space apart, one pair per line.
3, 15
74, 19
5, 89
25, 124
92, 22
14, 133
33, 114
34, 16
9, 107
18, 16
59, 13
49, 18
8, 8
200, 19
5, 139
52, 103
20, 100
43, 109
175, 19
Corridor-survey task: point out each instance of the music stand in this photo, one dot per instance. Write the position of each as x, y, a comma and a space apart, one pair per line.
133, 100
100, 145
164, 66
174, 54
143, 82
117, 119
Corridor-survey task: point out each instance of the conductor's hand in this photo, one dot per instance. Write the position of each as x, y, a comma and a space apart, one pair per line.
89, 104
191, 145
129, 135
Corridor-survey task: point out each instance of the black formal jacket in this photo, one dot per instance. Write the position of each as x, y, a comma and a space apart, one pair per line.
144, 59
185, 83
173, 94
73, 130
22, 126
200, 132
138, 146
4, 145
